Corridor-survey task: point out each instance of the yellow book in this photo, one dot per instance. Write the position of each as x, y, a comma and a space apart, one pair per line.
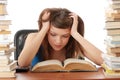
3, 45
3, 10
70, 64
5, 22
6, 52
5, 32
4, 27
111, 32
4, 48
109, 72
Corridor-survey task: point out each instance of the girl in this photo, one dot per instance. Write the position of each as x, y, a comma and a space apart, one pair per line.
60, 36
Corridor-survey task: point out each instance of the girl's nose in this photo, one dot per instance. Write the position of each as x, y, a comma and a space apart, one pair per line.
58, 40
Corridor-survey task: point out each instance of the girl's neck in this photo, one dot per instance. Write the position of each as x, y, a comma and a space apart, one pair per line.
60, 55
59, 52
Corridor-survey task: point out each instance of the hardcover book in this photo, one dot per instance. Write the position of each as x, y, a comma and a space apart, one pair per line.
68, 65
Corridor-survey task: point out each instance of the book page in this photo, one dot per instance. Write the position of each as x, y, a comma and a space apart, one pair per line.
49, 62
48, 65
73, 60
73, 64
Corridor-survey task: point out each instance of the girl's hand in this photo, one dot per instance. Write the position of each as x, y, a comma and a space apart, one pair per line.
75, 23
45, 16
45, 20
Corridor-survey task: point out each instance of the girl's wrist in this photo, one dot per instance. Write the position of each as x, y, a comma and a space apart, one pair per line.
74, 34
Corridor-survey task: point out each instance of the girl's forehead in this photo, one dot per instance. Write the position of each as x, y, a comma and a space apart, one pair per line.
59, 30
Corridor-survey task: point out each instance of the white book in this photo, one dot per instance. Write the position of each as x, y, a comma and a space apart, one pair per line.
6, 42
5, 62
9, 67
5, 56
112, 23
5, 37
115, 6
3, 1
4, 52
114, 38
112, 43
5, 22
8, 74
113, 65
2, 17
114, 1
110, 58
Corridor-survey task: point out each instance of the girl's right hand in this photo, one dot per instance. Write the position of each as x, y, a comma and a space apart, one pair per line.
45, 16
45, 20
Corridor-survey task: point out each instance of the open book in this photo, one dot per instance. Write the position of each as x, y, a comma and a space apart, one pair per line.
70, 64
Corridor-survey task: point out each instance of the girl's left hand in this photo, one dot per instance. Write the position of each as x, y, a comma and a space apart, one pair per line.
75, 24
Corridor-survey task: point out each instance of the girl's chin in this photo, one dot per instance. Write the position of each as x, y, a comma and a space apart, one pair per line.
57, 49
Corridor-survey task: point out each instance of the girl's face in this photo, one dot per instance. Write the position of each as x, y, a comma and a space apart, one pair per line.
58, 38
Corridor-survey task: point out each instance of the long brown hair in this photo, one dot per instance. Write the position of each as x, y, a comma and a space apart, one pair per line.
60, 18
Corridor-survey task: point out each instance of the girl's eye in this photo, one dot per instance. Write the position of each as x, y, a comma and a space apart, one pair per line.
65, 36
52, 34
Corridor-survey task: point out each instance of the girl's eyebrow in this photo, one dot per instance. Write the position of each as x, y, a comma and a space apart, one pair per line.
62, 34
67, 34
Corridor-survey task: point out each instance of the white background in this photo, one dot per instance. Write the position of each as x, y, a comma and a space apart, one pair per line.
24, 15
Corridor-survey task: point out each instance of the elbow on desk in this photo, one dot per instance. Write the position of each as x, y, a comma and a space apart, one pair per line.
22, 63
99, 62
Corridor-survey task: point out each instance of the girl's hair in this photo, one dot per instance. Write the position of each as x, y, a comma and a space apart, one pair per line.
60, 18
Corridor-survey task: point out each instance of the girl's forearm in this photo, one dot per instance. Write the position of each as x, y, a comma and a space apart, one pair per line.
31, 47
91, 52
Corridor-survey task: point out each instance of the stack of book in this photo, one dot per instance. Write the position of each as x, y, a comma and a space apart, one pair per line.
112, 41
7, 64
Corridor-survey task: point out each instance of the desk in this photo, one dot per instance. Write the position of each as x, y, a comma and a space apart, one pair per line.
61, 76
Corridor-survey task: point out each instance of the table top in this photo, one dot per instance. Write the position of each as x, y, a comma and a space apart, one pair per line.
60, 76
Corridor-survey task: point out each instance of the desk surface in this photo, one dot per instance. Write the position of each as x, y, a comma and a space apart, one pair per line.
60, 76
